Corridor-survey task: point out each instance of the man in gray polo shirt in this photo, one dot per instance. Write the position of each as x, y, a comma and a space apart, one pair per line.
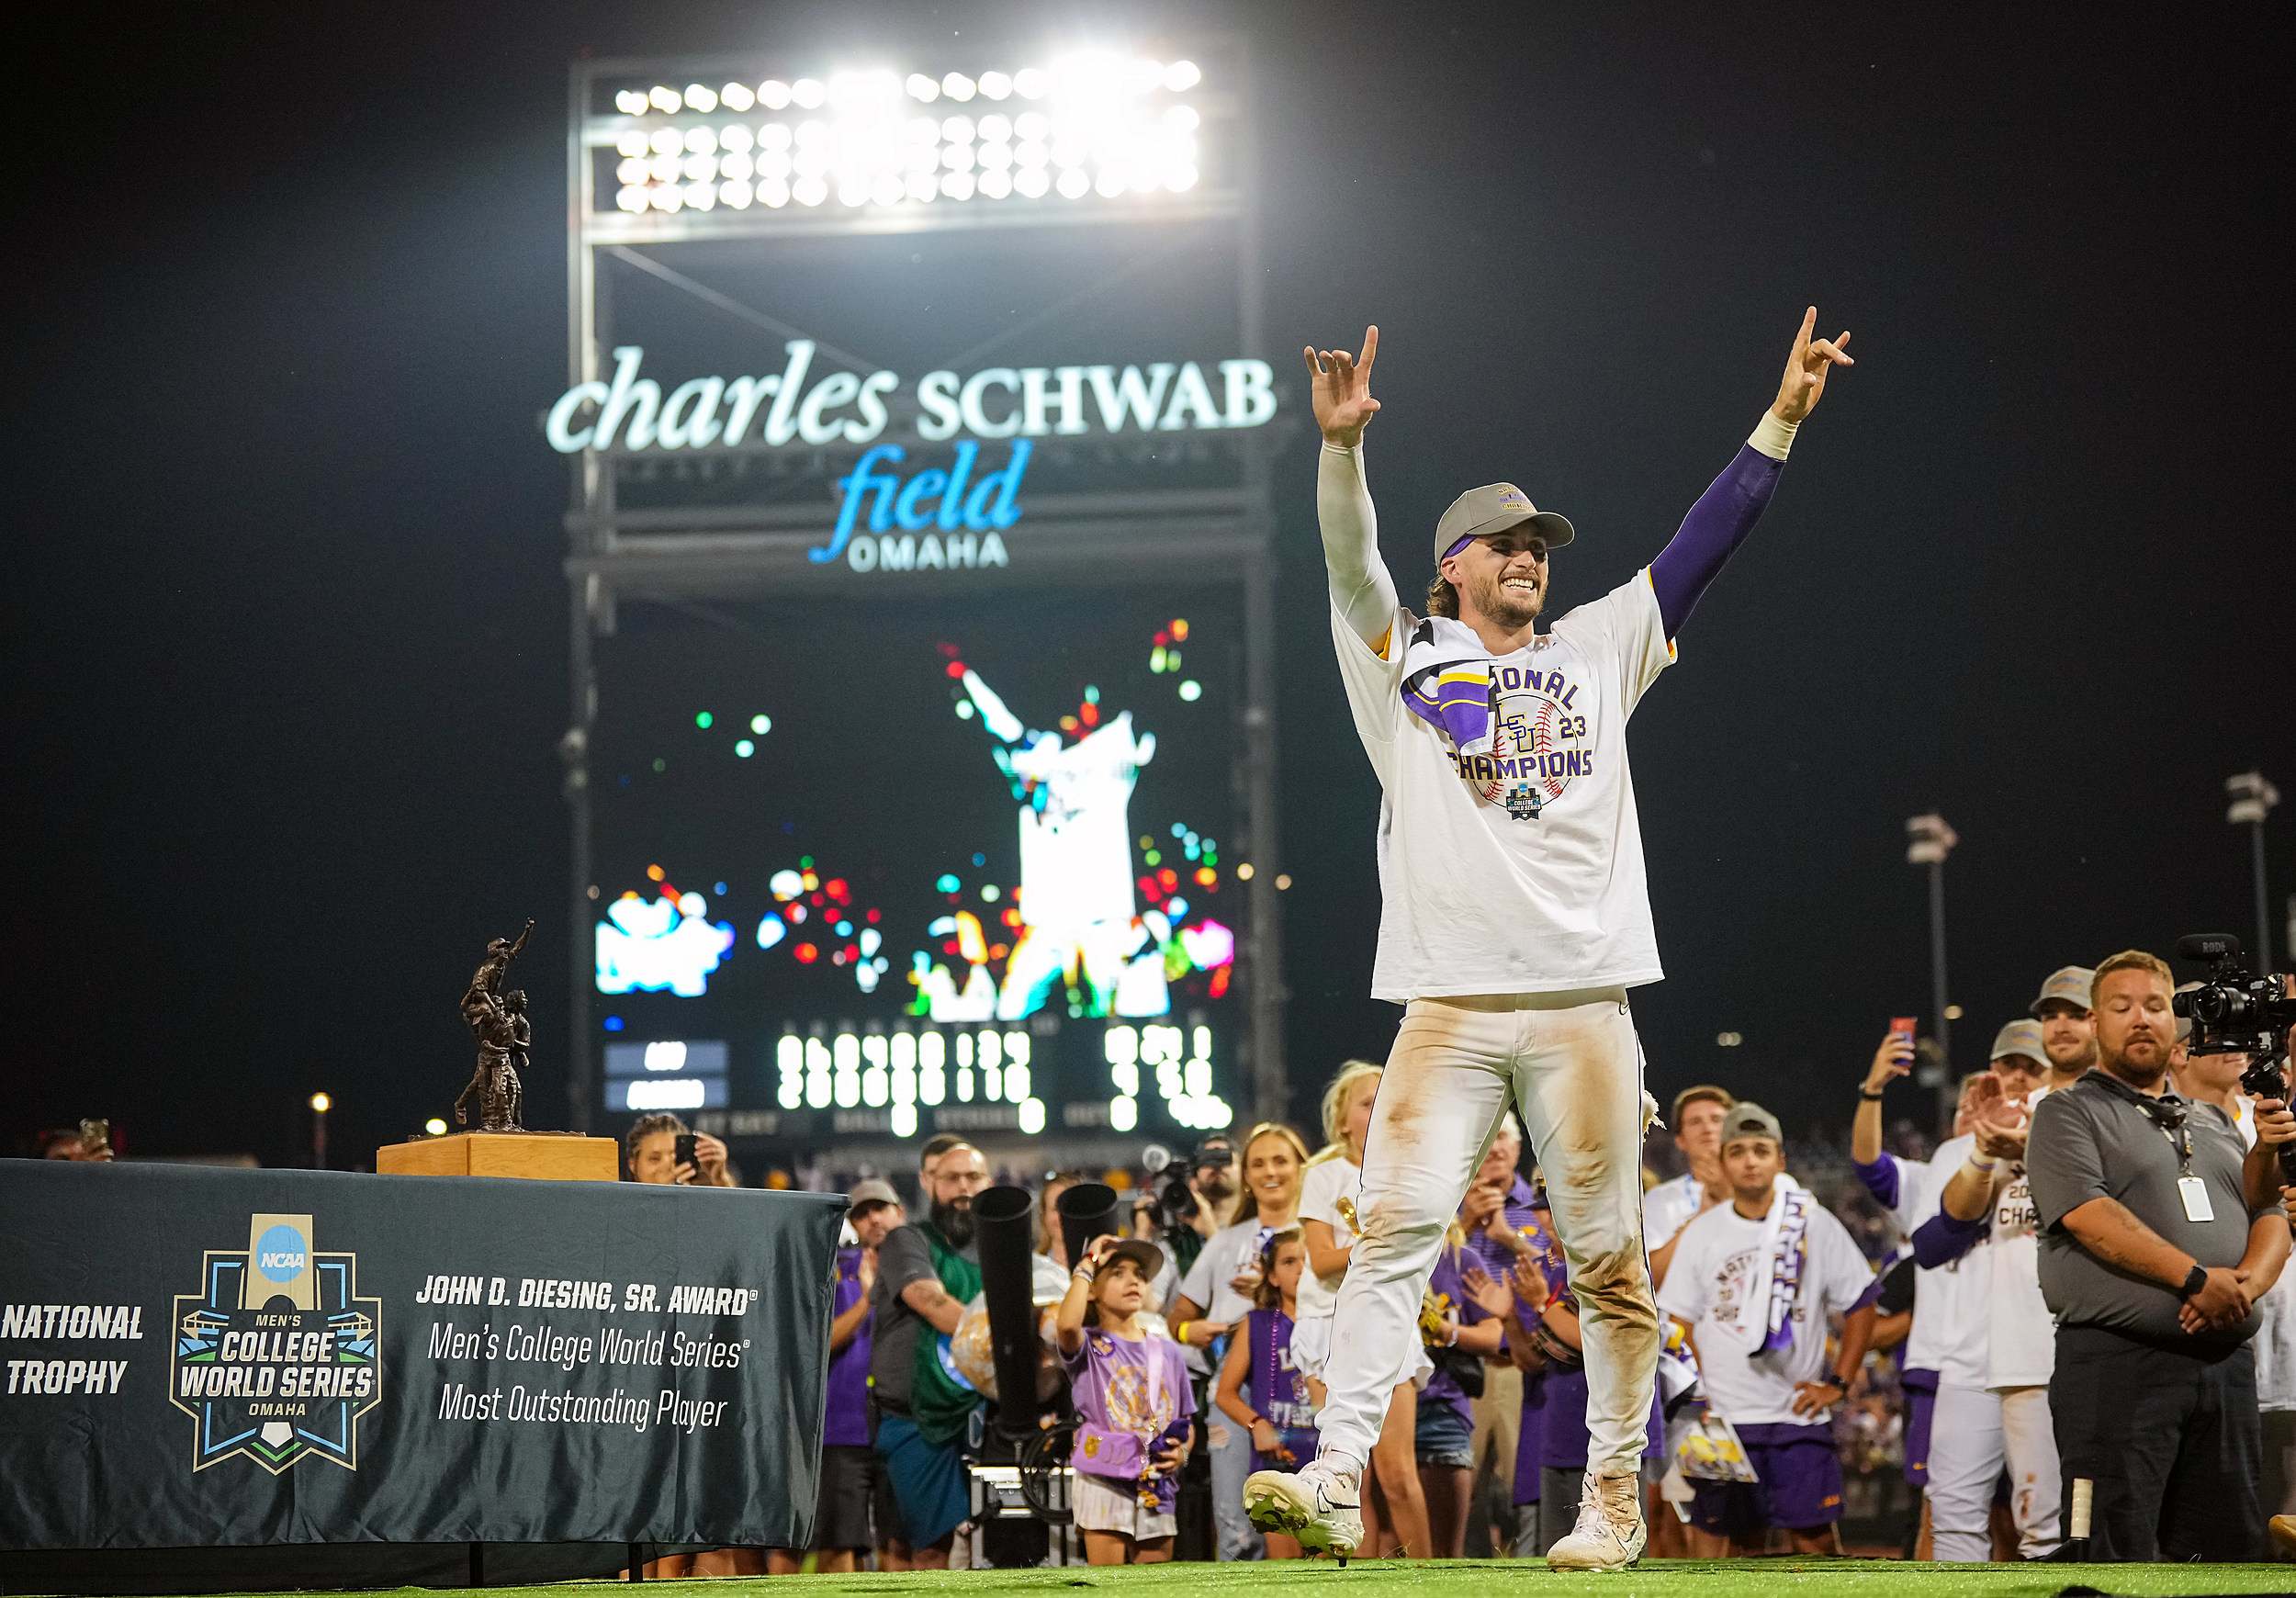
2159, 1238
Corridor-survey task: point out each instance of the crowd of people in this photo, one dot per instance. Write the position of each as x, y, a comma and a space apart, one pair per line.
2030, 1348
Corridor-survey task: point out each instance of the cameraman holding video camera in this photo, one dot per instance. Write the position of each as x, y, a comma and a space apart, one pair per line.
2159, 1233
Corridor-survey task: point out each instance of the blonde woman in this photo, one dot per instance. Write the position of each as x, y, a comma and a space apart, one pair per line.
1394, 1502
1217, 1293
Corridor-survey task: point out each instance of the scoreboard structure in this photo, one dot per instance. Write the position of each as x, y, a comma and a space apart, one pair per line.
921, 761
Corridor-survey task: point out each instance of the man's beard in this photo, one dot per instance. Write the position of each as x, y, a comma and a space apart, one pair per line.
1499, 603
1216, 1188
2081, 1060
954, 1221
2137, 1074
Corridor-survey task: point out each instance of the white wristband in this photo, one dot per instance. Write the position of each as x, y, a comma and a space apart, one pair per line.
1773, 437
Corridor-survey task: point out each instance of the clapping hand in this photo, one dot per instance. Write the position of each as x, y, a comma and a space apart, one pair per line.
1805, 371
1529, 1282
1999, 1125
1340, 390
1489, 1294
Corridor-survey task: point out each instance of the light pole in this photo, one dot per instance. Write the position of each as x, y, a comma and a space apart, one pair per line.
2253, 799
1929, 841
321, 1103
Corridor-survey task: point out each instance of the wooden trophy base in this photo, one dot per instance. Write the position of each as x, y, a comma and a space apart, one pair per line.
543, 1156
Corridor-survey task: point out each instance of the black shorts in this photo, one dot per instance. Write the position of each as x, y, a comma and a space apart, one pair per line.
851, 1478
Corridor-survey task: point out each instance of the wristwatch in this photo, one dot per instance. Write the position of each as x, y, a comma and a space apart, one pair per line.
2194, 1280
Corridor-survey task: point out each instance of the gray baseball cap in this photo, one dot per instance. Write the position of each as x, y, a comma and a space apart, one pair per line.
1748, 1119
1494, 508
2070, 982
872, 1192
2020, 1038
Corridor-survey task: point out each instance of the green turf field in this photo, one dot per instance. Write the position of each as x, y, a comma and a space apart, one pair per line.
1479, 1578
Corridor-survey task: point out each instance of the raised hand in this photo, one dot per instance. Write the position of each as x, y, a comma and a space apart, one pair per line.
1892, 1060
1805, 371
1340, 390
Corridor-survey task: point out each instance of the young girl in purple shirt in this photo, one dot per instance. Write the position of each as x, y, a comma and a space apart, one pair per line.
1130, 1388
1283, 1427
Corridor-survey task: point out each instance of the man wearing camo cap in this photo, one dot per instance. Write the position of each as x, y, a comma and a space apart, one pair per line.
2068, 1033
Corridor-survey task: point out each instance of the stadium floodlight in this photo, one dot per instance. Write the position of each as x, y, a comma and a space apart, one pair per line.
1113, 127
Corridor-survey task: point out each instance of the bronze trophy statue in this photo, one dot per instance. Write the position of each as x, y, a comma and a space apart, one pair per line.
498, 1021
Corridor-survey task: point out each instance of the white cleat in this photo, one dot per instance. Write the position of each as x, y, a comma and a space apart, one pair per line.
1609, 1536
1319, 1507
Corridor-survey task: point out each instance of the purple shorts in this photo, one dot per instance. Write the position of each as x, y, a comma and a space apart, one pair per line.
1800, 1485
1920, 1404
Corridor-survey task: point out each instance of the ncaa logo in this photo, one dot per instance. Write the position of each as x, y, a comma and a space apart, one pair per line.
282, 1253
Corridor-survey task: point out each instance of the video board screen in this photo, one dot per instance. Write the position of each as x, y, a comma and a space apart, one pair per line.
957, 862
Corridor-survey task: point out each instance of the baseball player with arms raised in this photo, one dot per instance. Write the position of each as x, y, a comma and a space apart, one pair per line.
1514, 918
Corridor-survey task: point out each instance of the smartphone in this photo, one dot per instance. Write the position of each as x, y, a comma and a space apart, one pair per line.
685, 1154
1903, 1024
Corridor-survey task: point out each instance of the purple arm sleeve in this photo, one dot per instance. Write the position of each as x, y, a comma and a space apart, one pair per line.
1711, 534
1940, 1240
1881, 1180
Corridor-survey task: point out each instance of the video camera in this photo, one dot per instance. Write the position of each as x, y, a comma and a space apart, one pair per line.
1175, 1204
2232, 1012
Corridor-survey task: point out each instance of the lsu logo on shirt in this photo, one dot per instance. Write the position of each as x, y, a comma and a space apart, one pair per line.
1541, 740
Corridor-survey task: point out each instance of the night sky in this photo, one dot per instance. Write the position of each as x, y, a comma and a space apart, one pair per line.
288, 624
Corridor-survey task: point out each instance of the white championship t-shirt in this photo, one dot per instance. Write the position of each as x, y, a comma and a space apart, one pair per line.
1320, 1193
1706, 1286
1949, 1333
2020, 1334
1520, 871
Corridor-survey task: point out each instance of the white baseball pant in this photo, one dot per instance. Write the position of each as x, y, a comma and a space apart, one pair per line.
1973, 1434
1571, 1063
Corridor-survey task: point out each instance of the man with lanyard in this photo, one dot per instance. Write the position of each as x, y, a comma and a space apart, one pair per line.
926, 1272
1515, 917
2157, 1237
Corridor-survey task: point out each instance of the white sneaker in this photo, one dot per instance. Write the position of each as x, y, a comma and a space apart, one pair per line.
1319, 1506
1609, 1536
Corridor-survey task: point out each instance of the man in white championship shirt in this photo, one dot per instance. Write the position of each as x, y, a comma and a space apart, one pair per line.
2010, 1423
1514, 918
1753, 1282
1953, 1287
